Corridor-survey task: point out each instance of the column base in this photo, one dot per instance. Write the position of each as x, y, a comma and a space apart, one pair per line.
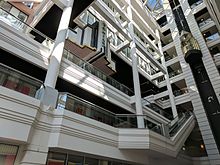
47, 95
34, 155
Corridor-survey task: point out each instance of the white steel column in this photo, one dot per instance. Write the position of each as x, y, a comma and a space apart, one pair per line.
169, 88
47, 94
57, 52
134, 57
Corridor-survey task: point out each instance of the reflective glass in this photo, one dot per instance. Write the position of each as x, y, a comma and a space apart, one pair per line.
56, 158
75, 160
91, 161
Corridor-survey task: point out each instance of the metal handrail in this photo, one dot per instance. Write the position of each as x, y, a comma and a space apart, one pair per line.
178, 125
35, 30
89, 109
83, 63
21, 73
205, 22
181, 91
160, 109
118, 120
86, 102
213, 37
175, 73
18, 81
196, 4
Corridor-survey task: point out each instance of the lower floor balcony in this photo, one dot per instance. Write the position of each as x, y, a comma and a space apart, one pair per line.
92, 111
18, 81
85, 128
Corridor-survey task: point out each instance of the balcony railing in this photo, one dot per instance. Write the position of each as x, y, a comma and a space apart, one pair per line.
205, 22
167, 42
142, 63
217, 59
163, 24
161, 79
175, 73
176, 127
147, 67
18, 81
169, 57
180, 92
127, 52
145, 45
196, 4
96, 72
213, 37
90, 110
19, 25
157, 109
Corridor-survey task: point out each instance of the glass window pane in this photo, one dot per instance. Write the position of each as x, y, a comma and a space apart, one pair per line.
7, 154
56, 158
75, 160
91, 161
5, 5
22, 16
15, 81
103, 162
14, 11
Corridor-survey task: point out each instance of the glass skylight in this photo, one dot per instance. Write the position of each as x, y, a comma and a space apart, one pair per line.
154, 6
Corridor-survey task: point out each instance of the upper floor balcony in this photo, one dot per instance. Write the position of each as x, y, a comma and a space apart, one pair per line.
212, 39
179, 88
215, 52
180, 96
156, 108
163, 24
161, 79
194, 5
167, 42
28, 43
169, 57
217, 59
175, 73
162, 21
197, 6
206, 24
96, 72
168, 45
27, 30
180, 92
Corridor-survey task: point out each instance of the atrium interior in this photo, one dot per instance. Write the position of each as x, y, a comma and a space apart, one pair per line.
109, 82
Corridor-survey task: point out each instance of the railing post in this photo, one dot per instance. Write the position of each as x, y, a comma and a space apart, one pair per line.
166, 130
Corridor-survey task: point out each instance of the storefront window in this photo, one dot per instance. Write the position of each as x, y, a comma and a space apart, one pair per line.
56, 158
7, 154
75, 160
91, 161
